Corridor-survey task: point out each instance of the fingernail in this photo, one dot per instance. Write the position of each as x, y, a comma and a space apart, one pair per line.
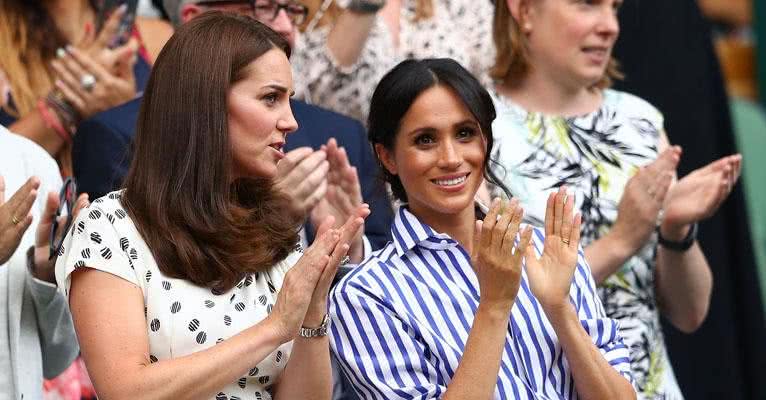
60, 52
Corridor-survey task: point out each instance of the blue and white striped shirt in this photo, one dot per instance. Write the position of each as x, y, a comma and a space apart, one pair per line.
400, 322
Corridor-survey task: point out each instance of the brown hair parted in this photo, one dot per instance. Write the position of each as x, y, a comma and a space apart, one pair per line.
512, 59
200, 223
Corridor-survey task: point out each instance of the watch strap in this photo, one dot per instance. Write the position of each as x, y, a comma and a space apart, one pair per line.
683, 245
319, 331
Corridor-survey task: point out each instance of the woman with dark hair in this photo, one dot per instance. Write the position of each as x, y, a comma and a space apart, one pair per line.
560, 124
186, 284
424, 319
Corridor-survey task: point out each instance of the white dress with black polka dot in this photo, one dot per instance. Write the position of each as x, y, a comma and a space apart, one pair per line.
181, 318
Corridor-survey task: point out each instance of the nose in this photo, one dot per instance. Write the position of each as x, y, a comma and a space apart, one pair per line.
449, 155
282, 24
609, 26
287, 123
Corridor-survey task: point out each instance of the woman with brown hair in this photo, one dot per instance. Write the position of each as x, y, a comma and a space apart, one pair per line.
55, 70
348, 46
560, 124
187, 283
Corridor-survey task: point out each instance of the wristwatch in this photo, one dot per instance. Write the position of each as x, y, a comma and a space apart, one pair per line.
319, 331
362, 6
683, 245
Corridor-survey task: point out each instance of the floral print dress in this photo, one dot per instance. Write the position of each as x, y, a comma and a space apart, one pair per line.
594, 155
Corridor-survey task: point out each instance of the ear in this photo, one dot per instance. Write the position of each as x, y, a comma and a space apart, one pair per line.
386, 158
189, 12
520, 11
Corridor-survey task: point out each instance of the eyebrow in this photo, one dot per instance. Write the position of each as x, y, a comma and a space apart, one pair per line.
426, 129
280, 88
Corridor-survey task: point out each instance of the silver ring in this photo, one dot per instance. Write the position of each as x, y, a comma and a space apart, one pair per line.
344, 260
88, 82
660, 217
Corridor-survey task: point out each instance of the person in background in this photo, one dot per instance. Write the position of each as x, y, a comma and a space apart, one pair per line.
349, 45
558, 125
460, 308
188, 283
37, 339
55, 70
101, 148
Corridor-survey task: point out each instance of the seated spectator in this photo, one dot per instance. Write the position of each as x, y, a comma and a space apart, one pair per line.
559, 124
37, 339
457, 308
187, 283
55, 70
348, 46
101, 148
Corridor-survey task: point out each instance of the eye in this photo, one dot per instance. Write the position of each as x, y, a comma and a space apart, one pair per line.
466, 133
271, 98
424, 139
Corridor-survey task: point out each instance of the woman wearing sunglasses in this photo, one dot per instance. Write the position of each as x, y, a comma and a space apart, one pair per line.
37, 339
187, 283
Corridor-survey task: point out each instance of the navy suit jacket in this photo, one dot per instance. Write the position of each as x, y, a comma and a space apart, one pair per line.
101, 155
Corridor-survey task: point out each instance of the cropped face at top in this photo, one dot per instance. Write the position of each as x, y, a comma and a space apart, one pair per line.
569, 40
259, 115
438, 154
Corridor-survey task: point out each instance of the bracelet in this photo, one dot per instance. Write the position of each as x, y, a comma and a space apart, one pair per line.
683, 245
365, 6
52, 121
319, 331
66, 113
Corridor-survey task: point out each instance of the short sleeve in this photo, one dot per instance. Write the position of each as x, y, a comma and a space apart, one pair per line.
377, 349
94, 242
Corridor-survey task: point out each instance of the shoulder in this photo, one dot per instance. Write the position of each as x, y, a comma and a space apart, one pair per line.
117, 121
310, 113
631, 104
20, 151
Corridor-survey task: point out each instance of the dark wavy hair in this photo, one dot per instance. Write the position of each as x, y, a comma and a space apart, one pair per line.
201, 223
401, 86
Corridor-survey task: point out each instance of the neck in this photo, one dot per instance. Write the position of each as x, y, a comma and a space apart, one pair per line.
71, 16
539, 92
458, 226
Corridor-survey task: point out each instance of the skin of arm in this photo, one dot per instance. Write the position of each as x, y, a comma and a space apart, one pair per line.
118, 362
32, 127
594, 377
349, 25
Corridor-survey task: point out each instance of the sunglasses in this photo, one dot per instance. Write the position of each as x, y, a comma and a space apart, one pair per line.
67, 199
267, 10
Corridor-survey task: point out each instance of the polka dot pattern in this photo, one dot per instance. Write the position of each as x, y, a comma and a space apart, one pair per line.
179, 315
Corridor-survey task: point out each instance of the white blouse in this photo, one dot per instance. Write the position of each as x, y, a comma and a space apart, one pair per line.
181, 318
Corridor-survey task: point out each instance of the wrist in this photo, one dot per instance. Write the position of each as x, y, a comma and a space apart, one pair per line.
495, 310
620, 245
558, 312
39, 265
674, 232
315, 315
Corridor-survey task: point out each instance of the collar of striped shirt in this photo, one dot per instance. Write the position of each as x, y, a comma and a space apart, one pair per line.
408, 232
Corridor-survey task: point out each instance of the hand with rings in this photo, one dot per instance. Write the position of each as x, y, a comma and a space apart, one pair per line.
15, 217
88, 86
641, 206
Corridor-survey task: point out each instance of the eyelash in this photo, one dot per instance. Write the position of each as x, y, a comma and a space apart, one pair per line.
271, 98
464, 134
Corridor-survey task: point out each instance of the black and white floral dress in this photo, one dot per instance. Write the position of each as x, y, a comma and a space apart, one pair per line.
181, 318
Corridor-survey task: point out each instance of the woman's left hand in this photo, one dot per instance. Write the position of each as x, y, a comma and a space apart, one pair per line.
343, 196
550, 276
104, 91
318, 306
699, 194
44, 267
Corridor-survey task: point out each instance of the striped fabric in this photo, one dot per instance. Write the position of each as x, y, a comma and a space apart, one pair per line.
400, 322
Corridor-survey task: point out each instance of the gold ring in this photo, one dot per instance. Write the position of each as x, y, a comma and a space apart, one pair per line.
15, 220
566, 241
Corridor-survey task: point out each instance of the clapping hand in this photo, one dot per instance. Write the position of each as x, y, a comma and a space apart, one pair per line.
550, 276
643, 198
343, 195
495, 256
14, 216
699, 194
302, 176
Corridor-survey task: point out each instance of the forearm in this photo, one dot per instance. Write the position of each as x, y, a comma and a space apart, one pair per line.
197, 376
684, 284
593, 376
33, 127
606, 255
348, 36
476, 375
308, 374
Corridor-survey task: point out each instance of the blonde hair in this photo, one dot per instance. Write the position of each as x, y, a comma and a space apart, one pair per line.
512, 59
424, 9
25, 52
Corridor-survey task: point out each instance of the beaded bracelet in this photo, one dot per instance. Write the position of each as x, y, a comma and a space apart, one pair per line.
52, 121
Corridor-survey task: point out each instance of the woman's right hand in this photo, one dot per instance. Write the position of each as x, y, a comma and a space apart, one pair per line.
298, 286
642, 201
495, 257
15, 217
